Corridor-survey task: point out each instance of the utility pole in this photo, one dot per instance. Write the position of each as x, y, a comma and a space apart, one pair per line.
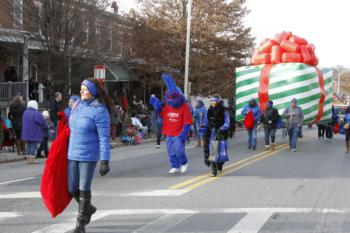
188, 38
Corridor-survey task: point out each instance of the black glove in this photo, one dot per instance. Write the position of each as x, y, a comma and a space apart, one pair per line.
104, 167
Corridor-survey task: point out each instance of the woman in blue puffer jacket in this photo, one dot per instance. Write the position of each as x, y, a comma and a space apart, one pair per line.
89, 143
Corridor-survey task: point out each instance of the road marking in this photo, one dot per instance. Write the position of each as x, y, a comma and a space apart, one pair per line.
145, 193
251, 223
7, 215
193, 180
156, 193
228, 171
163, 223
70, 224
17, 180
20, 195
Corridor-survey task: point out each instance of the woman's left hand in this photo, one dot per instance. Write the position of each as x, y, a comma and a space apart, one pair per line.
104, 167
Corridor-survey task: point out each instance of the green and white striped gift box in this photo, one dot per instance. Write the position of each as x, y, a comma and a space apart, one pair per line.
286, 81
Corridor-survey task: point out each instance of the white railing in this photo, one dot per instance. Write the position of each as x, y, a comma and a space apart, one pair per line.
8, 90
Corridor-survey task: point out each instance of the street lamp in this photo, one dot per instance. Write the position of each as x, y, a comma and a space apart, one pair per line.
188, 38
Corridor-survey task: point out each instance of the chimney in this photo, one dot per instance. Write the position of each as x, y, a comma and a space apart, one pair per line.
115, 7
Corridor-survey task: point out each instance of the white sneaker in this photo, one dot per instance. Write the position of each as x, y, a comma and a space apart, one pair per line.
184, 168
174, 170
157, 146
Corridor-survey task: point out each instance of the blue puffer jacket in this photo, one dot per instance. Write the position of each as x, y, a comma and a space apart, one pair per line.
347, 118
89, 137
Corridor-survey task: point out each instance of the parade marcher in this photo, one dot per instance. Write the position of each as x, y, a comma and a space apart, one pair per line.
89, 143
232, 113
269, 119
217, 123
199, 113
72, 101
32, 129
347, 129
321, 129
17, 109
177, 120
295, 117
252, 133
330, 125
158, 123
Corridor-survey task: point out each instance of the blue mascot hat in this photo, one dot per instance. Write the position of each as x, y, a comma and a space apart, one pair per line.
173, 96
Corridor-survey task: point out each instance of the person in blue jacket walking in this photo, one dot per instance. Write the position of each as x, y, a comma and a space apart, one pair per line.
199, 113
217, 124
89, 143
347, 129
252, 133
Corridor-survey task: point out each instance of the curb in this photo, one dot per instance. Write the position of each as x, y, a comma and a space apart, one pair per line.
5, 158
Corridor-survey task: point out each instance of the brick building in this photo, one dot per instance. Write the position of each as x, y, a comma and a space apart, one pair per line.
83, 34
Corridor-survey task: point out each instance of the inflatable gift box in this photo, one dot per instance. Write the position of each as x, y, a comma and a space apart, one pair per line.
284, 68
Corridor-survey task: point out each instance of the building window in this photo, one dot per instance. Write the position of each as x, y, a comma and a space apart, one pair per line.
85, 34
120, 44
37, 17
98, 36
17, 13
110, 39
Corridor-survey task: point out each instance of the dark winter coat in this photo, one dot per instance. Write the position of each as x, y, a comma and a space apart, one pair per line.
270, 117
32, 125
55, 108
16, 114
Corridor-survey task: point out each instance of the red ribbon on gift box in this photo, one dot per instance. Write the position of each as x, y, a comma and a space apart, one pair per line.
285, 48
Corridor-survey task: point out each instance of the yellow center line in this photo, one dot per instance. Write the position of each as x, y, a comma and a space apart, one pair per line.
212, 179
193, 180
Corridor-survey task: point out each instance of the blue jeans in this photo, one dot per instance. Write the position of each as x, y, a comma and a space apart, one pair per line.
269, 132
293, 136
80, 175
252, 137
31, 148
176, 151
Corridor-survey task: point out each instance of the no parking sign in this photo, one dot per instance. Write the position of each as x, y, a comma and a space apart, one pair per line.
100, 72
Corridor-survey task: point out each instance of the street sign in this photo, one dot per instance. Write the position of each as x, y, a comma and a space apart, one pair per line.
100, 71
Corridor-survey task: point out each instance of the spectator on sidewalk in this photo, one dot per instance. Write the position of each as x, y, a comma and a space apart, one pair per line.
55, 107
32, 129
295, 117
71, 103
135, 121
17, 109
44, 145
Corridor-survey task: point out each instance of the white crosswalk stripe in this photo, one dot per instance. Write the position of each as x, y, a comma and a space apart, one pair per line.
247, 220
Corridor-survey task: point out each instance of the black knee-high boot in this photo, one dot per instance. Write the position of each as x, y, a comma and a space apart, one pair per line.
86, 210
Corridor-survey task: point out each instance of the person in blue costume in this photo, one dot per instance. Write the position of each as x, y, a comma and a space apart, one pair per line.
217, 124
199, 113
252, 133
72, 100
177, 120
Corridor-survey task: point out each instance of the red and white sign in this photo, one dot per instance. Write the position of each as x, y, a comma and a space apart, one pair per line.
100, 71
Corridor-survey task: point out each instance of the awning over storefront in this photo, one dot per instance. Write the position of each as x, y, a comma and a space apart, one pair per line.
119, 72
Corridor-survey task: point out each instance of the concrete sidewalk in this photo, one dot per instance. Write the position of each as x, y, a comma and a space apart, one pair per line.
7, 156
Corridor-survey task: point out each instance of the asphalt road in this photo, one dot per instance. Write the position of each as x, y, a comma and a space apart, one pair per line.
281, 191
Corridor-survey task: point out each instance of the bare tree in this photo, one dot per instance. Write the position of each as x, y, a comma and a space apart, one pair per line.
219, 41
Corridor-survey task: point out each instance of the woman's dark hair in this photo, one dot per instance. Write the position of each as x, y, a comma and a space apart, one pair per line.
103, 96
347, 110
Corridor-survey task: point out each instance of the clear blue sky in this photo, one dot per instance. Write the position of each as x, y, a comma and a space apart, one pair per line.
323, 23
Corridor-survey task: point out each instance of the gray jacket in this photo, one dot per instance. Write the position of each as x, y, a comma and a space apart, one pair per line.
294, 116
